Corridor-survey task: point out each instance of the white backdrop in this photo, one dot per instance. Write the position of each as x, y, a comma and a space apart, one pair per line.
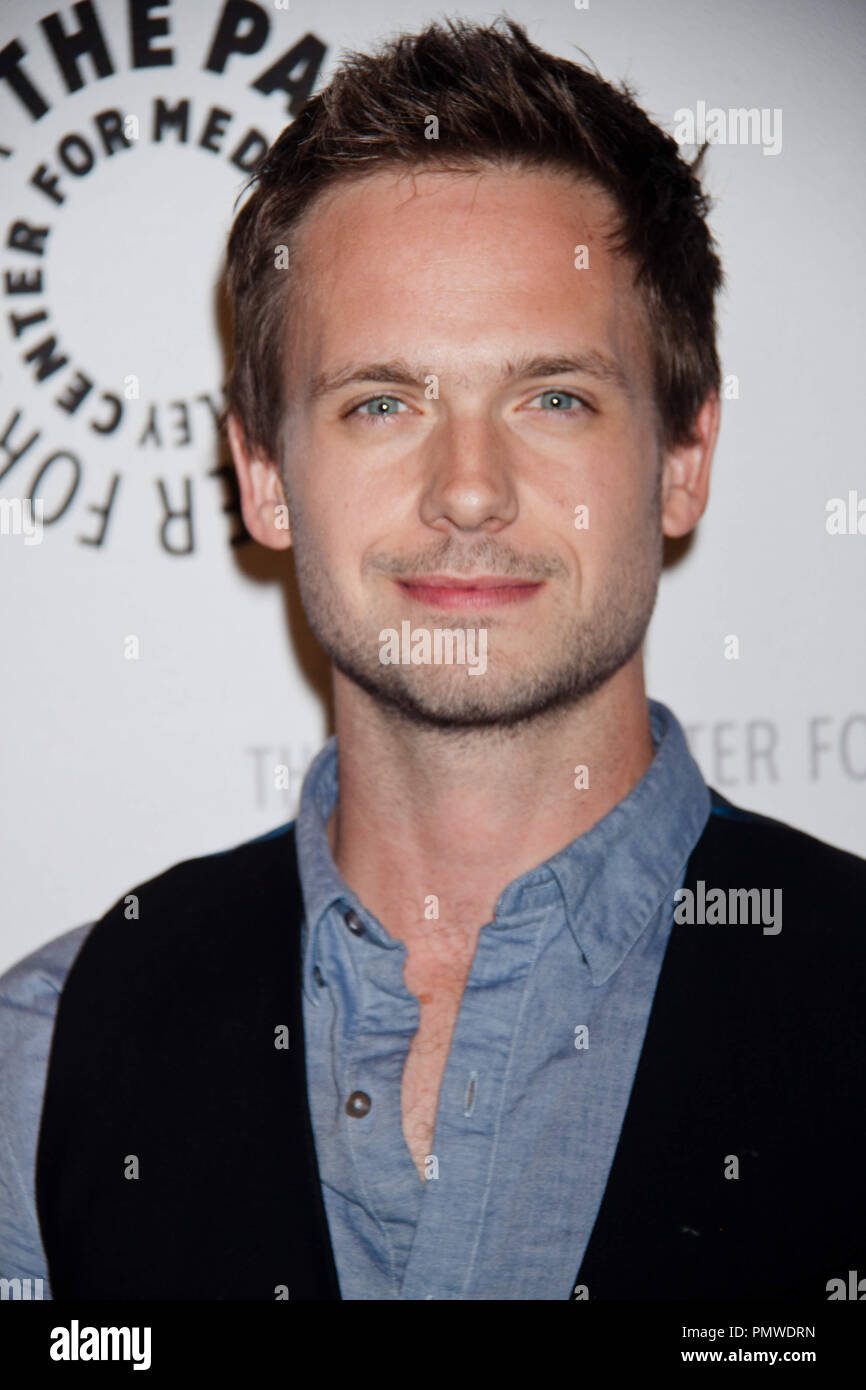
113, 769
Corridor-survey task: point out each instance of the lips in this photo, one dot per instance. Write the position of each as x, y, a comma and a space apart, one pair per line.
480, 581
475, 591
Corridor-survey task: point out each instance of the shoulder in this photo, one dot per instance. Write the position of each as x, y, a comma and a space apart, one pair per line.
222, 869
29, 996
198, 915
226, 875
773, 842
30, 988
822, 888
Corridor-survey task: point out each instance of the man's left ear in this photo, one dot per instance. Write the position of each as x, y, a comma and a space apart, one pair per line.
686, 473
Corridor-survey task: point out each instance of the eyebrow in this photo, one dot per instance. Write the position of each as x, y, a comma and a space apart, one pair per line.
399, 373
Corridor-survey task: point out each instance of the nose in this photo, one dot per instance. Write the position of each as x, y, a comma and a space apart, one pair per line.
470, 483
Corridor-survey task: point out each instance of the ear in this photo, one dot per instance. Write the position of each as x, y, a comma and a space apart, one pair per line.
686, 473
263, 499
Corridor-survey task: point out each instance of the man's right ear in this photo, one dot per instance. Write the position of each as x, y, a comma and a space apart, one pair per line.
263, 499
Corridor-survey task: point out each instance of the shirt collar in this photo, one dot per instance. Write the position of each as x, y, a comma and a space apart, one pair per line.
613, 878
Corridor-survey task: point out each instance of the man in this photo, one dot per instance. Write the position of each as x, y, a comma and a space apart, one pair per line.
442, 1036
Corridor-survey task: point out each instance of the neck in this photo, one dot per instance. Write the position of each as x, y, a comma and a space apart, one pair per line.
460, 817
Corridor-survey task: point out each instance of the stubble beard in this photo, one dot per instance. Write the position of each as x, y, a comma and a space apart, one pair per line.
556, 669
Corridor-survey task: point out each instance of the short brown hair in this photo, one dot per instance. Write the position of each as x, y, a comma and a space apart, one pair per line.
499, 100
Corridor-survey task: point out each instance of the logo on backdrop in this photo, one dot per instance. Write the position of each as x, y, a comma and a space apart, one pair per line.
129, 131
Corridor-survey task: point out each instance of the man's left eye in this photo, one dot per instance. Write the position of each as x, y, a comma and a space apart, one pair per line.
560, 402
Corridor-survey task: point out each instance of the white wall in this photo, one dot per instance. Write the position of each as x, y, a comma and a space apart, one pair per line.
113, 769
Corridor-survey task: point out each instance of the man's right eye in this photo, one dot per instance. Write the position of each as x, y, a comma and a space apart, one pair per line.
383, 407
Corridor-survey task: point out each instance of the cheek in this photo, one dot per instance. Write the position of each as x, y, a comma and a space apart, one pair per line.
611, 525
601, 501
328, 499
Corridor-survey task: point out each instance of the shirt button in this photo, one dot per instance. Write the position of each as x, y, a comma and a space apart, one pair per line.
318, 977
353, 922
358, 1104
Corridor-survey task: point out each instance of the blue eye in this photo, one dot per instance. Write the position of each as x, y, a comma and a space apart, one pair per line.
559, 401
384, 407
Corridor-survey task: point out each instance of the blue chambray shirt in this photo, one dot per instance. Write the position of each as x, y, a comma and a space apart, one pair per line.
527, 1123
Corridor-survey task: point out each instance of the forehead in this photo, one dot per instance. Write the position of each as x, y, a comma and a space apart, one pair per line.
453, 267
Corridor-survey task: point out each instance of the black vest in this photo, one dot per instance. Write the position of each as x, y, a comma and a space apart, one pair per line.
164, 1050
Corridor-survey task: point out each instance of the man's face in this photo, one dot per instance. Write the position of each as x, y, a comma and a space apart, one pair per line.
468, 454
